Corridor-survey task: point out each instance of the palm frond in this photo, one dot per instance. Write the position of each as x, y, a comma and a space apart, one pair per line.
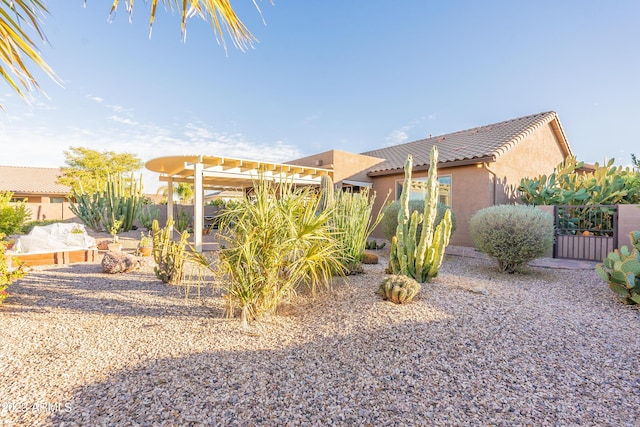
15, 44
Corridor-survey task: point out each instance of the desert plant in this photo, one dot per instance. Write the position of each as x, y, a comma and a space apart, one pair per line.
7, 276
183, 220
115, 229
147, 214
273, 244
12, 214
118, 200
170, 256
420, 255
352, 224
399, 288
621, 270
513, 234
326, 193
389, 223
373, 245
606, 185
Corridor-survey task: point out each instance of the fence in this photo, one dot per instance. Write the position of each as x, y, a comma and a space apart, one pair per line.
585, 232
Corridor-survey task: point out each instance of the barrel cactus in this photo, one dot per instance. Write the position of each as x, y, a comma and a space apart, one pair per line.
399, 288
621, 270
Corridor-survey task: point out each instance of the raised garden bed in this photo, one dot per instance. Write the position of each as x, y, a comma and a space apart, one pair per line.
50, 258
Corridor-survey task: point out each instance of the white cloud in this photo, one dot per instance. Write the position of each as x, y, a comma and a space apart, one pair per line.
95, 98
123, 120
397, 136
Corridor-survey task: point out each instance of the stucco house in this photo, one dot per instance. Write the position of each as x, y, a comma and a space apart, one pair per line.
45, 198
477, 168
36, 185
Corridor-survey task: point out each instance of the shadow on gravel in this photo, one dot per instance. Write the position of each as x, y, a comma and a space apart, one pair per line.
80, 288
419, 373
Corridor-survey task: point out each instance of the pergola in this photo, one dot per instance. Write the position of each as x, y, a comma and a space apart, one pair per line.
224, 173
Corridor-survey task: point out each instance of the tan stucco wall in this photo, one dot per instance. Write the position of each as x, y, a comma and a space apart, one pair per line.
345, 165
628, 221
471, 189
538, 153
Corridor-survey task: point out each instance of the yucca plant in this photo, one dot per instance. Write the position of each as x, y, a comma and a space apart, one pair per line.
274, 243
352, 224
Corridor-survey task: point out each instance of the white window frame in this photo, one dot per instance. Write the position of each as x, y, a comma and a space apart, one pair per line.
399, 182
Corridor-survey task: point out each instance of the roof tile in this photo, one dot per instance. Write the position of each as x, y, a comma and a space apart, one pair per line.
23, 179
478, 143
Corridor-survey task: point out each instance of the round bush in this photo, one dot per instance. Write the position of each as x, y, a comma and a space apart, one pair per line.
389, 222
513, 234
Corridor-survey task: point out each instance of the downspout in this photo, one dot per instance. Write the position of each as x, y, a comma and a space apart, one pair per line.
495, 182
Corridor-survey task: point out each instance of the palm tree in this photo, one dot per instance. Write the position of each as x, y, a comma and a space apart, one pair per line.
16, 45
183, 190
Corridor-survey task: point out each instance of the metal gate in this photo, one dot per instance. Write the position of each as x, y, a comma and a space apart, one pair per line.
586, 232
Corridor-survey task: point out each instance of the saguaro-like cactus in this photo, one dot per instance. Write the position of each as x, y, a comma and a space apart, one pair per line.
413, 256
326, 193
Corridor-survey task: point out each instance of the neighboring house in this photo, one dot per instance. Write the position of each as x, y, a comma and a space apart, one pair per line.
37, 186
477, 168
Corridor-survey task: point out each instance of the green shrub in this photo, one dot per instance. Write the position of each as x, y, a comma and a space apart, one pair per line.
273, 243
389, 223
12, 215
513, 234
7, 276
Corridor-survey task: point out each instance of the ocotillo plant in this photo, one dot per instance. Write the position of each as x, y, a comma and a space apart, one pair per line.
421, 257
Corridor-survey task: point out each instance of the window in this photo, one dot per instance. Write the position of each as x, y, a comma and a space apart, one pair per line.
418, 189
56, 200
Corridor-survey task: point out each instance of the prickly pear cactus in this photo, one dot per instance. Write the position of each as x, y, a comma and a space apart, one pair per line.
621, 270
399, 289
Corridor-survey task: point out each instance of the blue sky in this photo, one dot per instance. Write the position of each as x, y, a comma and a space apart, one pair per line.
352, 75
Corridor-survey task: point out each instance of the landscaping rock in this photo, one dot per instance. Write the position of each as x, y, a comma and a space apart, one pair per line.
370, 258
103, 246
119, 262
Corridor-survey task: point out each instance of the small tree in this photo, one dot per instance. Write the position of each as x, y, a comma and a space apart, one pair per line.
88, 170
12, 215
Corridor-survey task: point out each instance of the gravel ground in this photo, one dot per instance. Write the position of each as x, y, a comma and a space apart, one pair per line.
545, 347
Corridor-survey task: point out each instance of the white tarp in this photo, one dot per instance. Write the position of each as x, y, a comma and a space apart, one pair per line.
54, 238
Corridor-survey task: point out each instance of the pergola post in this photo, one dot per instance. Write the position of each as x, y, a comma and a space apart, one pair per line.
198, 205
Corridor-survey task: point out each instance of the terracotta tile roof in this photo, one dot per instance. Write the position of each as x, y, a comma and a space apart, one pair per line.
484, 143
23, 179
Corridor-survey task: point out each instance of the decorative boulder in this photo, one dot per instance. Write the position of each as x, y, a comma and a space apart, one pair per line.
119, 262
370, 258
103, 246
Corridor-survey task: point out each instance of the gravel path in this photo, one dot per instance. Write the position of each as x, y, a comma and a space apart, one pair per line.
548, 347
